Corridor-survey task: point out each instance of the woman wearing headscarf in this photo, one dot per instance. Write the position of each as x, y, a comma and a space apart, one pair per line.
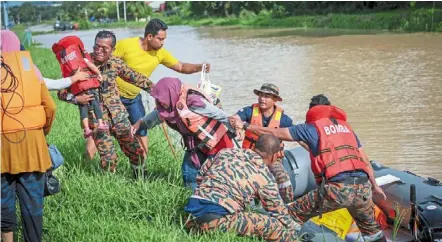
204, 127
27, 113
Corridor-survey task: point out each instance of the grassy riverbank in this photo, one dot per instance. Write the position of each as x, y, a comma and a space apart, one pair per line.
419, 20
97, 206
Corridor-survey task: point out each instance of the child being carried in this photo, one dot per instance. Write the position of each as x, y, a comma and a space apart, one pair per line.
72, 57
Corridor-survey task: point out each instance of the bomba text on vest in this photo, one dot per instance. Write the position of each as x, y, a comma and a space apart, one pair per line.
333, 129
68, 57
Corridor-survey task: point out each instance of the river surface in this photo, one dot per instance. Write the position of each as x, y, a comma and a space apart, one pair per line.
390, 85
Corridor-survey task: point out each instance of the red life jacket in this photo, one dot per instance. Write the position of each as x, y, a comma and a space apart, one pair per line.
338, 147
70, 54
275, 121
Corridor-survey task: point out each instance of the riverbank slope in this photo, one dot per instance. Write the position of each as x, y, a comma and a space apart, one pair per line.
427, 20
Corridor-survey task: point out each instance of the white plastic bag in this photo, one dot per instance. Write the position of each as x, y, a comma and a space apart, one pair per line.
210, 89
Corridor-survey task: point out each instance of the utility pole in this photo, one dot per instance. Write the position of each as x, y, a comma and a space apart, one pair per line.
118, 12
5, 14
124, 6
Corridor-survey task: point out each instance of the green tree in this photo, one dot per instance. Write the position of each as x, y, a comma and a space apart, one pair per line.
102, 9
14, 13
74, 10
27, 12
138, 10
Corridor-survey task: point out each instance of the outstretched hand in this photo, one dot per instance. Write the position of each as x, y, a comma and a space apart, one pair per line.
79, 75
236, 122
207, 67
377, 190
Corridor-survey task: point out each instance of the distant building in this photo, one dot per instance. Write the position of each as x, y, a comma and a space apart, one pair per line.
157, 6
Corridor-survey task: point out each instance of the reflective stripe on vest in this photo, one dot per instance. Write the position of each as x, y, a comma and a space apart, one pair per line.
208, 131
338, 150
21, 108
275, 121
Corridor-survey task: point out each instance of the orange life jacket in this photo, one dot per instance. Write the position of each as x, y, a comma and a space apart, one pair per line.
208, 131
275, 121
21, 101
338, 148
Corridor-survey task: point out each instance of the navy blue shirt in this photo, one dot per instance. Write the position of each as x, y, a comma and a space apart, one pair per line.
245, 115
308, 134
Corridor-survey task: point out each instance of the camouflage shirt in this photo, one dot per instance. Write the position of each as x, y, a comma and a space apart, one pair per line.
235, 177
113, 108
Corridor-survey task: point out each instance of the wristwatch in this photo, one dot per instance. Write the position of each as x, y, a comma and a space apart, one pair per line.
245, 126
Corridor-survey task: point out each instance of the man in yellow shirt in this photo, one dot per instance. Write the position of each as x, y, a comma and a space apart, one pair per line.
144, 55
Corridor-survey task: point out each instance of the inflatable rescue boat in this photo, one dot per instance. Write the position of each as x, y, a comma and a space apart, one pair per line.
412, 211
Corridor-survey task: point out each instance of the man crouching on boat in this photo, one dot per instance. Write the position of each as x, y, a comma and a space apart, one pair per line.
341, 167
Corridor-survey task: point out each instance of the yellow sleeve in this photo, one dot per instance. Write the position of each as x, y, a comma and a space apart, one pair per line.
168, 59
119, 49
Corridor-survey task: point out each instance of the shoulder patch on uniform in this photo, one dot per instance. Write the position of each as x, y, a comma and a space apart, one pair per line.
179, 105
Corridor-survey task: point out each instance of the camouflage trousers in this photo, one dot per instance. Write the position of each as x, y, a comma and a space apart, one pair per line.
250, 224
357, 198
130, 146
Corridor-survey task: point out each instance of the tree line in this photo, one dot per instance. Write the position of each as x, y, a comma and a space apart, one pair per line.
285, 9
75, 11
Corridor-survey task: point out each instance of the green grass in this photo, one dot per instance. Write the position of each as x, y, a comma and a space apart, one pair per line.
97, 206
398, 218
417, 20
428, 20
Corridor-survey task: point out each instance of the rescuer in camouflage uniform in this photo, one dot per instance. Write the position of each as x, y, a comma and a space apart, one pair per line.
114, 112
232, 179
341, 168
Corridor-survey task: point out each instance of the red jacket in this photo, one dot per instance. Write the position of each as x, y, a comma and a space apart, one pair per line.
338, 147
70, 54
